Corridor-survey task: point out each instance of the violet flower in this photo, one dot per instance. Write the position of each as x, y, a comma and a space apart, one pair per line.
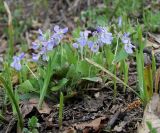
104, 37
82, 40
58, 34
127, 43
45, 44
35, 57
16, 64
125, 38
129, 48
119, 21
75, 45
95, 48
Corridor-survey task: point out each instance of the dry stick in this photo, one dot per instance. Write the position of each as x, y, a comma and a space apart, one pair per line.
10, 30
9, 13
113, 120
112, 75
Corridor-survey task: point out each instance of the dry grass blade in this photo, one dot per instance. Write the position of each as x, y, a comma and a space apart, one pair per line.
151, 114
9, 13
157, 79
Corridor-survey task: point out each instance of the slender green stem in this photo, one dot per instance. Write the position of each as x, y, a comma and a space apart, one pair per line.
81, 53
126, 67
31, 72
20, 77
61, 109
115, 83
46, 83
116, 50
13, 100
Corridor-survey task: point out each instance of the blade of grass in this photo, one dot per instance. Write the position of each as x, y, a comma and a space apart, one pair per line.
13, 100
115, 83
61, 110
126, 67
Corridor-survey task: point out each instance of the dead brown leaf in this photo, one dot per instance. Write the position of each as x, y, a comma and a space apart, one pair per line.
27, 107
94, 125
151, 114
152, 44
70, 130
3, 45
157, 80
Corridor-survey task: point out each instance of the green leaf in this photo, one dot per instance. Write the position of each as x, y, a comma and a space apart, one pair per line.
93, 79
72, 71
120, 56
83, 67
26, 87
33, 122
98, 58
60, 84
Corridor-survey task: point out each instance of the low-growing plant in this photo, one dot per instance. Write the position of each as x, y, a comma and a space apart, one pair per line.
150, 127
32, 125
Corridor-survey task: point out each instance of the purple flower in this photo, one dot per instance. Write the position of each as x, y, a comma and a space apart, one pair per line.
16, 64
46, 42
104, 37
95, 48
35, 57
45, 57
58, 30
125, 38
35, 46
58, 34
21, 56
85, 34
127, 43
129, 48
119, 21
75, 45
41, 36
90, 44
83, 39
49, 45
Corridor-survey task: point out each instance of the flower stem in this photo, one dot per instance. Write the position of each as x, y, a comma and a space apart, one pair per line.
46, 83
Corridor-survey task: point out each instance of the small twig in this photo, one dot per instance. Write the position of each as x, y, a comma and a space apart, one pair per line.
113, 120
10, 31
